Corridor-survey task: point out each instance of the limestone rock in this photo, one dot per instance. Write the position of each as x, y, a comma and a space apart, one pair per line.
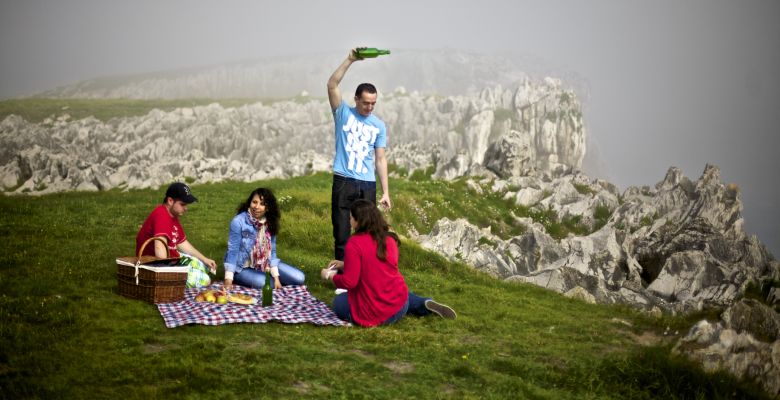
529, 196
468, 247
755, 318
580, 294
677, 247
290, 138
774, 296
717, 347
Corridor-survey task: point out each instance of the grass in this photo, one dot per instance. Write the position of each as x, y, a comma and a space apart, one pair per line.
430, 200
601, 216
422, 201
583, 188
760, 291
65, 333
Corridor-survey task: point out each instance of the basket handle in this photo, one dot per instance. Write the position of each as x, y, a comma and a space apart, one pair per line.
143, 246
141, 251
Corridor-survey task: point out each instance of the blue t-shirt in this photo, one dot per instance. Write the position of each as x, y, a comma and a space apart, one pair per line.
356, 139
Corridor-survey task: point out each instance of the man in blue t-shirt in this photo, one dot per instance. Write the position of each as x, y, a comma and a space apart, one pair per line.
361, 139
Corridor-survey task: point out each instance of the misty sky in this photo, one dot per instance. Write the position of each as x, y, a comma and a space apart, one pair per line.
668, 83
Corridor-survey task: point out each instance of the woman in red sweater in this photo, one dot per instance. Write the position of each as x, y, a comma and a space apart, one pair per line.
376, 291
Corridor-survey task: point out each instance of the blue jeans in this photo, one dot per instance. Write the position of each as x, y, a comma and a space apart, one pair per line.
343, 193
414, 305
288, 275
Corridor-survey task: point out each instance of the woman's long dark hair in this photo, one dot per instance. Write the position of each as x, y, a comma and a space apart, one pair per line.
272, 213
371, 221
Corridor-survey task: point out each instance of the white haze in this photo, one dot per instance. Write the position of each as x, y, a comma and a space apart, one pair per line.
666, 83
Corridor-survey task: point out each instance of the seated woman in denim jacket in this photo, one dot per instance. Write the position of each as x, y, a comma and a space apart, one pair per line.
252, 245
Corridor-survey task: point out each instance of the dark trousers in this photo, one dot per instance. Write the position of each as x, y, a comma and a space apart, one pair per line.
415, 305
343, 193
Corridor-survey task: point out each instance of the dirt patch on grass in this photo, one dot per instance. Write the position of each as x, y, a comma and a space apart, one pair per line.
307, 388
301, 387
400, 367
648, 338
252, 345
362, 353
152, 348
470, 339
448, 389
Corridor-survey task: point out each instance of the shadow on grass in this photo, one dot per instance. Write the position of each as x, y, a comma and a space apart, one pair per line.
654, 372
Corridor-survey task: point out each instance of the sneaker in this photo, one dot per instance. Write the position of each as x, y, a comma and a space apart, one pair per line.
440, 309
340, 291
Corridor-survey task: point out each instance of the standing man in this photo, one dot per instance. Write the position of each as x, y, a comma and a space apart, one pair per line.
164, 222
361, 139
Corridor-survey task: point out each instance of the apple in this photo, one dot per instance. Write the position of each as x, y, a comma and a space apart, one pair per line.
222, 298
200, 297
210, 297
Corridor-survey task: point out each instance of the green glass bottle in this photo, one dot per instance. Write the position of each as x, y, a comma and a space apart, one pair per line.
370, 52
268, 292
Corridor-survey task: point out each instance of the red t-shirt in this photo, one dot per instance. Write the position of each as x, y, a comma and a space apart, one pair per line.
376, 289
160, 223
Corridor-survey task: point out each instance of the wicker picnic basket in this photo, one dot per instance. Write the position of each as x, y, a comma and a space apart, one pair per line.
151, 279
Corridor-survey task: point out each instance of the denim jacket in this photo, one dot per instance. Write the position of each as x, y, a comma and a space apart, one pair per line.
241, 240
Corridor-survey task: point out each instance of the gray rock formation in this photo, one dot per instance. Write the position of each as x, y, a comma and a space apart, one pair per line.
203, 143
754, 317
732, 344
465, 135
283, 139
678, 247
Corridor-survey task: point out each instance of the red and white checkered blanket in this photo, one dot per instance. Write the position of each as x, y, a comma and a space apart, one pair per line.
292, 305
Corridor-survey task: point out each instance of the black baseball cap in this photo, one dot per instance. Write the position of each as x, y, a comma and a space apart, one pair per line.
180, 191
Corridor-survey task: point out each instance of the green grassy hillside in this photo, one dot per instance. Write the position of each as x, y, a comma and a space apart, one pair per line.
65, 333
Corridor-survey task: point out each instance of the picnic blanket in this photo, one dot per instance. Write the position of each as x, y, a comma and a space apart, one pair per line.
292, 305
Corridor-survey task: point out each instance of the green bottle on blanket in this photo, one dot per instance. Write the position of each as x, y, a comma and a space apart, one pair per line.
268, 293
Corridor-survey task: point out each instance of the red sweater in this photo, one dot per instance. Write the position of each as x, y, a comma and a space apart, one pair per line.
376, 289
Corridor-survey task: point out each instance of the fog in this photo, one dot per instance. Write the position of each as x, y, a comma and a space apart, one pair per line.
664, 83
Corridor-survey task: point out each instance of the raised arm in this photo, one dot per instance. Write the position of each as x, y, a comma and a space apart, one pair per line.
334, 93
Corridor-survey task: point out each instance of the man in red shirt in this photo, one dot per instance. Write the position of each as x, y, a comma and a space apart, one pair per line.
164, 222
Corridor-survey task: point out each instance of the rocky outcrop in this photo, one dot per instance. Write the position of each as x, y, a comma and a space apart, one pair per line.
678, 247
462, 135
745, 343
201, 144
754, 317
286, 138
532, 140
